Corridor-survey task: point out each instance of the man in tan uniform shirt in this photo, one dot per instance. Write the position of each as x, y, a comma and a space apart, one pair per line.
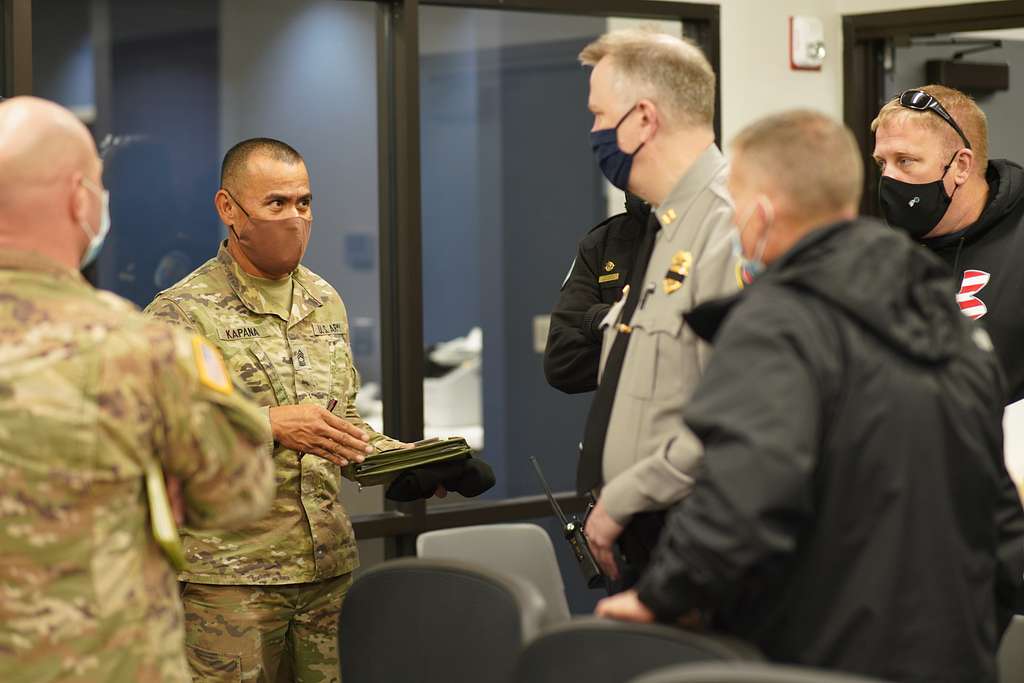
652, 96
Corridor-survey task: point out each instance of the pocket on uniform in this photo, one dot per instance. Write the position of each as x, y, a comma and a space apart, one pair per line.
342, 368
654, 356
213, 667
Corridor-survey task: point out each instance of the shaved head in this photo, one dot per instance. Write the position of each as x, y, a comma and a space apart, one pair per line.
40, 141
45, 156
233, 171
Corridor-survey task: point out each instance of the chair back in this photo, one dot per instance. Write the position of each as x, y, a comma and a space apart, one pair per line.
433, 621
522, 550
748, 672
604, 651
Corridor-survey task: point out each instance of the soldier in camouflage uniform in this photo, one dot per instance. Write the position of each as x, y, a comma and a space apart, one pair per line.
94, 399
265, 599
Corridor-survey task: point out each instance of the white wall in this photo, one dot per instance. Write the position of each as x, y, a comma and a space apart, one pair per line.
756, 78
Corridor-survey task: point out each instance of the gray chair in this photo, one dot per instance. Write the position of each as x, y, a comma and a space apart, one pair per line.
427, 621
522, 550
603, 651
1011, 653
740, 672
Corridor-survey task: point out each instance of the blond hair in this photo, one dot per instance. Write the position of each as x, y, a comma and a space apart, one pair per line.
808, 157
964, 110
671, 72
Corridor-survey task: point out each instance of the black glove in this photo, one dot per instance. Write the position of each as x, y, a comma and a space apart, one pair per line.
469, 477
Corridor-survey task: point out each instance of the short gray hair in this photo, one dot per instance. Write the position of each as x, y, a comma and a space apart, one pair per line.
807, 156
671, 72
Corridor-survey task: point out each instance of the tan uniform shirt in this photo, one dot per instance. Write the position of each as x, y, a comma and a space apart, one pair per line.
305, 359
664, 360
92, 395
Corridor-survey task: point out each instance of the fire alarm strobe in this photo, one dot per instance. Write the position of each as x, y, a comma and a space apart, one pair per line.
806, 43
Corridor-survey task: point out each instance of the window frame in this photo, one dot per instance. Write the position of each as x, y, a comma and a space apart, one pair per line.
15, 47
400, 224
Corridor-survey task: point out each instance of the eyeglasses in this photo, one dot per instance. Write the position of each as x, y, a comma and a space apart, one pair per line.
919, 100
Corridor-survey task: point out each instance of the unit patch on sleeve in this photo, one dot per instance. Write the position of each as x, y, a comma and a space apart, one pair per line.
210, 365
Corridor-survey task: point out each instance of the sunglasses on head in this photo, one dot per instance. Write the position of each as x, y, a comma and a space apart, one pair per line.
919, 100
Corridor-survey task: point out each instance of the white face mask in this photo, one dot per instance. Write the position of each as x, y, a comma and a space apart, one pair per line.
96, 239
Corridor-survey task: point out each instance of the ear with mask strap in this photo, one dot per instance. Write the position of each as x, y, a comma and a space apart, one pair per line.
615, 164
752, 267
96, 239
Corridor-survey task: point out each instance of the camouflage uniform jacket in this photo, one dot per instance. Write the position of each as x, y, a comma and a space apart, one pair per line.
306, 359
92, 395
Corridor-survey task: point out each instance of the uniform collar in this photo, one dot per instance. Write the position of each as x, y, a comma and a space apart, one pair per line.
671, 211
247, 289
12, 259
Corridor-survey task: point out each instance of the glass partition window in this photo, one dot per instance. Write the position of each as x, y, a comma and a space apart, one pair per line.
168, 87
509, 185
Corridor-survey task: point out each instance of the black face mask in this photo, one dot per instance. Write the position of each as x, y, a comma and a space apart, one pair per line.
915, 208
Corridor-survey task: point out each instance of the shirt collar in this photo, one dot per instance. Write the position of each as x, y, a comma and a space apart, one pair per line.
248, 291
696, 178
13, 259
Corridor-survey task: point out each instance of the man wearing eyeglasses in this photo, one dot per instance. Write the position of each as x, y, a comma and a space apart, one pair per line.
939, 185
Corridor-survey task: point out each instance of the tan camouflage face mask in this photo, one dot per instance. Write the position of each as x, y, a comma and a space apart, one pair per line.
274, 246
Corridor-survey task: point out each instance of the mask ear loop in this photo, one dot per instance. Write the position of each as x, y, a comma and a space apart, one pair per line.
769, 219
83, 224
240, 208
946, 170
621, 121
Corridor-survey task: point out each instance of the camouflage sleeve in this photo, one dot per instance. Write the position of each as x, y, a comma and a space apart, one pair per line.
213, 438
380, 441
165, 309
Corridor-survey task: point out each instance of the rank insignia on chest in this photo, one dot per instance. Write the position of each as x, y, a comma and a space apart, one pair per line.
300, 361
609, 266
682, 261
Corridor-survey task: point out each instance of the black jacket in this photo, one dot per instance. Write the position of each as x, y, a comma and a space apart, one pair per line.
994, 248
853, 510
573, 350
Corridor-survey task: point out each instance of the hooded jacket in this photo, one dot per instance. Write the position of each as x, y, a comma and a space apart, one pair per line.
853, 510
986, 258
